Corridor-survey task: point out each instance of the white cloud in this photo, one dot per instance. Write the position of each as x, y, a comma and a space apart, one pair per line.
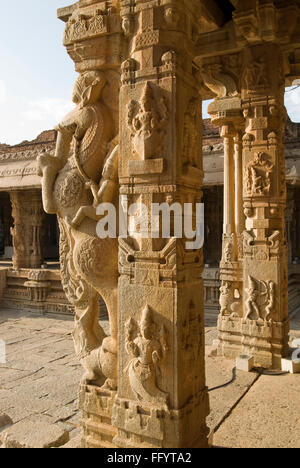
48, 108
3, 92
292, 102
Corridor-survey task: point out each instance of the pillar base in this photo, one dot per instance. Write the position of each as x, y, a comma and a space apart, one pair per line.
267, 342
96, 406
140, 427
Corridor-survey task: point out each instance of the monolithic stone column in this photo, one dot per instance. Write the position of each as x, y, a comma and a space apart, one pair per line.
226, 112
27, 233
162, 400
238, 191
228, 133
265, 319
82, 175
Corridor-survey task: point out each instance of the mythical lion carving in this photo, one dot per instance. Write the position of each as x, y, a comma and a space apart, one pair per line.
81, 174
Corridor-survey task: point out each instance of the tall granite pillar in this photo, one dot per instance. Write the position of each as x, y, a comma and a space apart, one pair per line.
162, 400
265, 326
27, 232
226, 113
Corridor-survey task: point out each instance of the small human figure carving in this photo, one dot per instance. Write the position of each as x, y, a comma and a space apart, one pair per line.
147, 121
258, 175
102, 193
261, 300
230, 300
147, 346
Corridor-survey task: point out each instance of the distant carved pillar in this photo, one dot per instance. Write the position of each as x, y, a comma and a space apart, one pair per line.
162, 399
238, 190
265, 326
221, 76
27, 232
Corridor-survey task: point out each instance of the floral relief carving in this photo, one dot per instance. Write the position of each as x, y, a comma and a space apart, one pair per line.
79, 27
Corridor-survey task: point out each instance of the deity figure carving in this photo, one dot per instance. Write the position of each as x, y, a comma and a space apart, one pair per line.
228, 248
147, 121
261, 300
256, 74
190, 154
86, 153
258, 175
147, 346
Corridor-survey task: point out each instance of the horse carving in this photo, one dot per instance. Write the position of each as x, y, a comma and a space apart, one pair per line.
81, 174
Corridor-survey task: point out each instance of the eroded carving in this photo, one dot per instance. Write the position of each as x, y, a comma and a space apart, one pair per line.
260, 301
258, 175
147, 121
147, 346
81, 174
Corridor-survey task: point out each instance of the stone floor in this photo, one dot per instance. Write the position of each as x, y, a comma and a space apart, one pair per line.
39, 382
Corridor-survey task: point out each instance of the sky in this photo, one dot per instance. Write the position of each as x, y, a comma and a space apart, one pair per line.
37, 75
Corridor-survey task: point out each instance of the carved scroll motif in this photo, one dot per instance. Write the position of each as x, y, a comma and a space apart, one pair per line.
230, 300
78, 27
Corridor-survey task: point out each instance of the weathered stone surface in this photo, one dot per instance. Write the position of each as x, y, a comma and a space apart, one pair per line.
30, 433
226, 387
267, 417
74, 443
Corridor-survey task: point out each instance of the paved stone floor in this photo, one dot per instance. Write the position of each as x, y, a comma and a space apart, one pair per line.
39, 382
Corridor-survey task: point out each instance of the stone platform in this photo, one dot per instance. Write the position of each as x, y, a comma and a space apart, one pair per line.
39, 387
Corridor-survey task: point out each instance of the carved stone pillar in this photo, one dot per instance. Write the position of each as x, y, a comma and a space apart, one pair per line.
162, 400
27, 233
226, 112
265, 321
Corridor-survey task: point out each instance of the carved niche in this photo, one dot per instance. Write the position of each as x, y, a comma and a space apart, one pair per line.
258, 175
147, 346
147, 121
228, 248
260, 301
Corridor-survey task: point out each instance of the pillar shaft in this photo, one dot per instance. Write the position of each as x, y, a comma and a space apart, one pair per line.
228, 133
238, 186
162, 400
266, 324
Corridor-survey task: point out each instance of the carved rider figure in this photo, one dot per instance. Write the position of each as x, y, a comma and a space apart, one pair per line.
81, 174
